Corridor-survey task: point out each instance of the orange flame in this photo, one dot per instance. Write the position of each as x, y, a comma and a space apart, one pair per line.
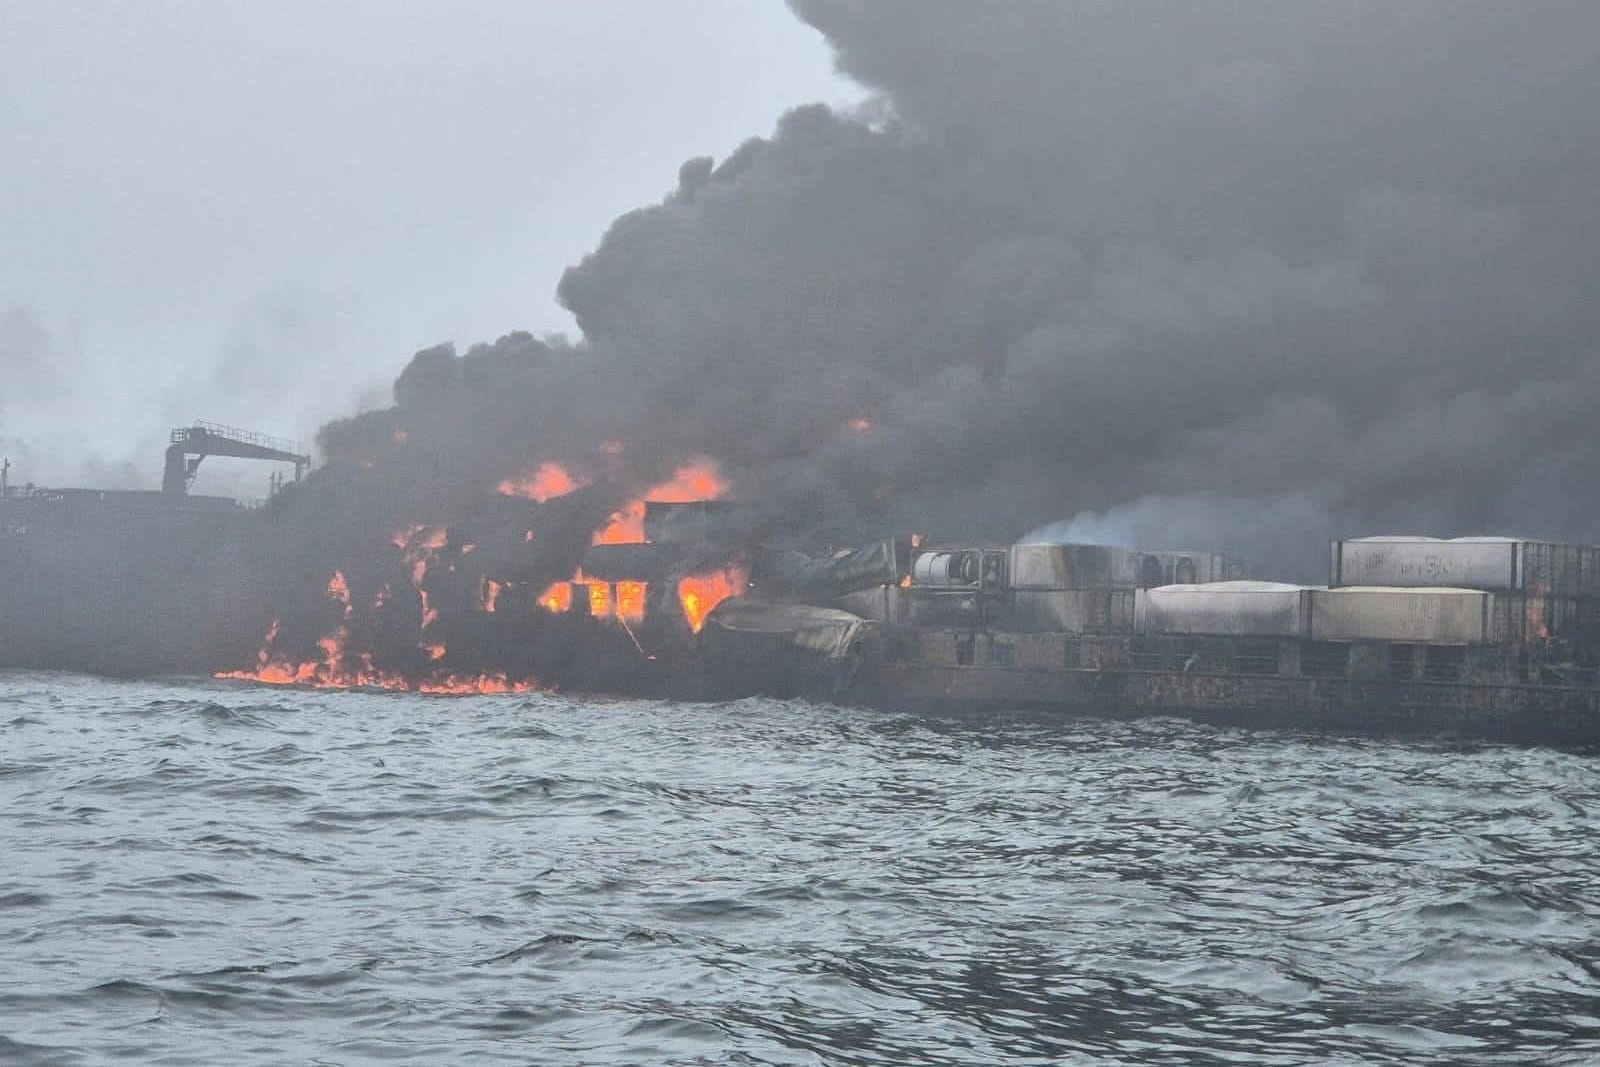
695, 481
860, 425
490, 595
549, 481
600, 599
337, 669
557, 599
402, 538
700, 593
631, 601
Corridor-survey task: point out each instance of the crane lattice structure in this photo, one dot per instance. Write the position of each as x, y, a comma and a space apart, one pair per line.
191, 444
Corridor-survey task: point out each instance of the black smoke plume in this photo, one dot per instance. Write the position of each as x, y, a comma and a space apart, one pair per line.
1238, 275
1255, 273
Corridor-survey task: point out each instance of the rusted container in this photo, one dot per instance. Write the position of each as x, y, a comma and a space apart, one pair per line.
1495, 563
1071, 566
1526, 617
1424, 616
1239, 608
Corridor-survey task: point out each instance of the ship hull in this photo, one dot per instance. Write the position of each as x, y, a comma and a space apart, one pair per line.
1520, 714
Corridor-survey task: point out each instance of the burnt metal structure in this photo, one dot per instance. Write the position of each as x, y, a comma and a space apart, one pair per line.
193, 443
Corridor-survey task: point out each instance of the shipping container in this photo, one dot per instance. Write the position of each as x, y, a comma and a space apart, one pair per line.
1525, 617
1068, 566
1424, 616
1192, 568
1494, 563
1079, 611
1240, 608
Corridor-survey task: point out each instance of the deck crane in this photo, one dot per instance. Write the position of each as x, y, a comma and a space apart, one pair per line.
191, 444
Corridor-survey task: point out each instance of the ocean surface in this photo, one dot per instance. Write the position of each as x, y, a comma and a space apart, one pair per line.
198, 872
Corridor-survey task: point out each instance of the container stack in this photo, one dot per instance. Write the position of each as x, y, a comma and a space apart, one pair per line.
1429, 615
1539, 590
1227, 609
1199, 568
1072, 588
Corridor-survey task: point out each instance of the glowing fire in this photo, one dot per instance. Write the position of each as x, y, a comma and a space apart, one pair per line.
338, 668
600, 599
860, 425
631, 601
699, 593
490, 594
402, 538
557, 599
549, 481
696, 481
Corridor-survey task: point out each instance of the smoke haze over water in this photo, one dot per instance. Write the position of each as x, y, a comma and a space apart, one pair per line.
1248, 274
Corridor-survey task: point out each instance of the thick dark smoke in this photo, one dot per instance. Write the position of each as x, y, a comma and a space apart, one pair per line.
1241, 275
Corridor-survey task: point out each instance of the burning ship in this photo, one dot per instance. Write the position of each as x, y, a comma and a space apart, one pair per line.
678, 592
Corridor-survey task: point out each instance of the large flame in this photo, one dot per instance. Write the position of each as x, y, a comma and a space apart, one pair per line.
695, 481
547, 482
423, 547
557, 599
699, 593
600, 599
337, 668
631, 598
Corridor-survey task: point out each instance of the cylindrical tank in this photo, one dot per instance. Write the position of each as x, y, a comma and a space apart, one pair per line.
945, 568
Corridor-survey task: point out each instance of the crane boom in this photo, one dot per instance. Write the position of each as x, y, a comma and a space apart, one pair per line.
191, 444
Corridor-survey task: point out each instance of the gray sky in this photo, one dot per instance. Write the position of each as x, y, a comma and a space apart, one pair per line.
254, 212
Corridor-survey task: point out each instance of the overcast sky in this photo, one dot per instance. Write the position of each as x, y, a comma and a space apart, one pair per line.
255, 212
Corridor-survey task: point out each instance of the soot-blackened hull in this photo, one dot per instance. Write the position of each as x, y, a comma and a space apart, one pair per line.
1521, 714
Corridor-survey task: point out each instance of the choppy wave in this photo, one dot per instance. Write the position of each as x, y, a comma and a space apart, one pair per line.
201, 872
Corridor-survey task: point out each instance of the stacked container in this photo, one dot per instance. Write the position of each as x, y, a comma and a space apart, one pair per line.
1071, 588
1433, 615
1199, 568
1232, 609
1542, 590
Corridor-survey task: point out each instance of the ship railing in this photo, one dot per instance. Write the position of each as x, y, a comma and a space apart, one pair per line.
234, 433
